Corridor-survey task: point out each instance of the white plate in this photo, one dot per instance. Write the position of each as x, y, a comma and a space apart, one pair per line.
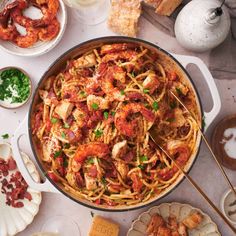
206, 228
14, 220
40, 47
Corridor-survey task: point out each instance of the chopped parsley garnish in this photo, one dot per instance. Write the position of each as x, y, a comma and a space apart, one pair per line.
146, 91
90, 161
5, 136
82, 93
98, 133
178, 90
141, 167
113, 113
54, 120
132, 74
122, 92
65, 162
95, 106
173, 105
66, 125
155, 106
66, 145
106, 114
14, 86
57, 153
63, 135
143, 158
103, 180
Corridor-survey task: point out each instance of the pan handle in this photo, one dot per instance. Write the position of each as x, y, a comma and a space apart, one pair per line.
46, 186
211, 115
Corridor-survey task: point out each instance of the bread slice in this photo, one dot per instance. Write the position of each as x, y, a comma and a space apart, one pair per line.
167, 7
124, 16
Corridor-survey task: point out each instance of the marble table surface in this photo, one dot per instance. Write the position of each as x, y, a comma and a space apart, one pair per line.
204, 171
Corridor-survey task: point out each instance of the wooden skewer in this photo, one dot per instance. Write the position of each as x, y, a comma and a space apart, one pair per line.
195, 185
208, 145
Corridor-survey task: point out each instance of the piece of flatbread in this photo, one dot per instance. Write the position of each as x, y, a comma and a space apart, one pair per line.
124, 16
164, 7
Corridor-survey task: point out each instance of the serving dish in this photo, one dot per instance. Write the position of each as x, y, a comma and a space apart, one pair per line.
16, 105
40, 47
207, 227
48, 185
14, 220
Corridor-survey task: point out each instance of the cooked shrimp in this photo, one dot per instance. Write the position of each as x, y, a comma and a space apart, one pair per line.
97, 149
50, 31
155, 222
114, 73
129, 128
28, 40
179, 150
7, 30
49, 12
123, 55
116, 47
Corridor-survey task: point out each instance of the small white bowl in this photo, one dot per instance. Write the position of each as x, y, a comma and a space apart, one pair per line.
40, 47
228, 198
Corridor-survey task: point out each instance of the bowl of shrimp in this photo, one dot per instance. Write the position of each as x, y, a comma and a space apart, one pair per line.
31, 27
90, 119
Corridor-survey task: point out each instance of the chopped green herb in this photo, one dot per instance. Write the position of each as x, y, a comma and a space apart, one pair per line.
143, 158
14, 86
90, 161
122, 92
57, 153
66, 145
103, 179
54, 120
141, 167
66, 125
146, 91
63, 135
173, 105
95, 106
178, 90
146, 104
98, 133
170, 119
65, 162
5, 136
113, 113
106, 114
132, 74
155, 106
82, 93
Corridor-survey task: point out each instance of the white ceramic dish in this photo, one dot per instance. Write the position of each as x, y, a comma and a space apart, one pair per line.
14, 220
228, 198
206, 228
40, 47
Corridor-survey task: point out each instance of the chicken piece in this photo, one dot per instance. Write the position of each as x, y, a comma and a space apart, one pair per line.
64, 109
182, 230
179, 120
156, 222
151, 82
193, 220
183, 89
122, 168
91, 183
97, 103
124, 16
119, 149
50, 146
86, 61
80, 117
44, 96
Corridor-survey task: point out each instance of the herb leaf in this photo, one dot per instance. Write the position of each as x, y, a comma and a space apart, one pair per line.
155, 106
143, 158
178, 90
57, 153
90, 161
106, 114
146, 91
66, 125
98, 133
5, 136
141, 167
95, 106
122, 92
113, 113
63, 135
173, 105
54, 120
